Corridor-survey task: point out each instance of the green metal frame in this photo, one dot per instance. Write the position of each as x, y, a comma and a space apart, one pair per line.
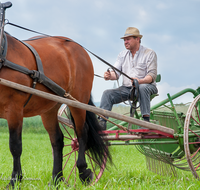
169, 151
178, 118
162, 103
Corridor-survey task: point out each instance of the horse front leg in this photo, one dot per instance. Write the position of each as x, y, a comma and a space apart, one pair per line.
57, 146
15, 143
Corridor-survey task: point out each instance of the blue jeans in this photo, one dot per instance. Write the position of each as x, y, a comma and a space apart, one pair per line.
118, 95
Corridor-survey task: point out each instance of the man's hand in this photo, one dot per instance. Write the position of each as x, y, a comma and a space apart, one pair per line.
136, 79
107, 75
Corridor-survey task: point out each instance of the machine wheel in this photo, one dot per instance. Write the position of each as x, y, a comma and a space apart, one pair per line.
192, 136
70, 151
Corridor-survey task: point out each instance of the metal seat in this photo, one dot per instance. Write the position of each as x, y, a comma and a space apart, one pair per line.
158, 79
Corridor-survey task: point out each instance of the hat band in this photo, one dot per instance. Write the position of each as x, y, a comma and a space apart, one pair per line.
131, 34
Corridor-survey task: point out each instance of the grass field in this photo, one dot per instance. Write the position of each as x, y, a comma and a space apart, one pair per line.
129, 171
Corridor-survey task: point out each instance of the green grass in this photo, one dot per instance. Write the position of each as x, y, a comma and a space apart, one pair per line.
30, 125
129, 171
36, 160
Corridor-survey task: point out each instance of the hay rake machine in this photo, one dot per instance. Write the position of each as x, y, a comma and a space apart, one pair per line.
170, 141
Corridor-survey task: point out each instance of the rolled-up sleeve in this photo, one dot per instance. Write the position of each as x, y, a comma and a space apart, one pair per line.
152, 66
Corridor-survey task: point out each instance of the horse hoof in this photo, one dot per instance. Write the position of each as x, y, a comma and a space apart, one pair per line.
15, 183
86, 177
11, 186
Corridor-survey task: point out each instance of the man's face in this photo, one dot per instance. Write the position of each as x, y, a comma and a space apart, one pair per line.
131, 42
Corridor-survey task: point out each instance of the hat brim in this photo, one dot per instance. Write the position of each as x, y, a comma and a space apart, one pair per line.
129, 35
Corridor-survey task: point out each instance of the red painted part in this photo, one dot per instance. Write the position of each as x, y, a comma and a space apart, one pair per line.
148, 133
74, 144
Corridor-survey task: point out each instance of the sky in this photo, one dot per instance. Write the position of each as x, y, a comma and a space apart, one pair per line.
171, 28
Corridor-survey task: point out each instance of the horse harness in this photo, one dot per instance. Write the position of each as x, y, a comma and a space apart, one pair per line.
37, 76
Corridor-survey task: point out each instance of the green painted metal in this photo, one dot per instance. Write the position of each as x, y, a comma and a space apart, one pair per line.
166, 150
187, 90
177, 119
167, 119
158, 78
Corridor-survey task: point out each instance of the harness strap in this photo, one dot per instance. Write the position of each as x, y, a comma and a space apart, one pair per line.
16, 67
37, 57
4, 46
3, 50
35, 75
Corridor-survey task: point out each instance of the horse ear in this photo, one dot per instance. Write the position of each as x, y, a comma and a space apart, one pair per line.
6, 5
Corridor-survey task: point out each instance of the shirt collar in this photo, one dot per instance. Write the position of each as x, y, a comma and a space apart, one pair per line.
137, 52
139, 49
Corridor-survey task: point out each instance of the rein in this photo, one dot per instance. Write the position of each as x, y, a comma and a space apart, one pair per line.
134, 93
101, 59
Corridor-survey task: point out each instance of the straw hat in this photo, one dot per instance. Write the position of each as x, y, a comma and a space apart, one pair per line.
132, 31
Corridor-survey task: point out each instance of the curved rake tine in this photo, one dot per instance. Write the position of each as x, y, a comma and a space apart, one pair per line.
196, 160
197, 167
195, 156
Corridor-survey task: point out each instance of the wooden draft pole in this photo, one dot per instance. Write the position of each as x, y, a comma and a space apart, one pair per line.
86, 107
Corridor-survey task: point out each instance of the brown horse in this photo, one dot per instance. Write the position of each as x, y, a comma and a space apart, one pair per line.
67, 64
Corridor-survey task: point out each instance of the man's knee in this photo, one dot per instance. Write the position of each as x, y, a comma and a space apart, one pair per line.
107, 93
143, 88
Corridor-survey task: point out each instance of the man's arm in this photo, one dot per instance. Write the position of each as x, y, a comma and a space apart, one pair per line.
110, 75
151, 70
146, 80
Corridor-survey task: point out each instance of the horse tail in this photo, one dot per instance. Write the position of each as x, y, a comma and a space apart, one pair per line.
95, 143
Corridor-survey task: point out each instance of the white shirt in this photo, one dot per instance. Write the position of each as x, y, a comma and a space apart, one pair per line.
142, 64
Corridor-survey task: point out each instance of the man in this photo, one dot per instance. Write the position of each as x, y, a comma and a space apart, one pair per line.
138, 62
